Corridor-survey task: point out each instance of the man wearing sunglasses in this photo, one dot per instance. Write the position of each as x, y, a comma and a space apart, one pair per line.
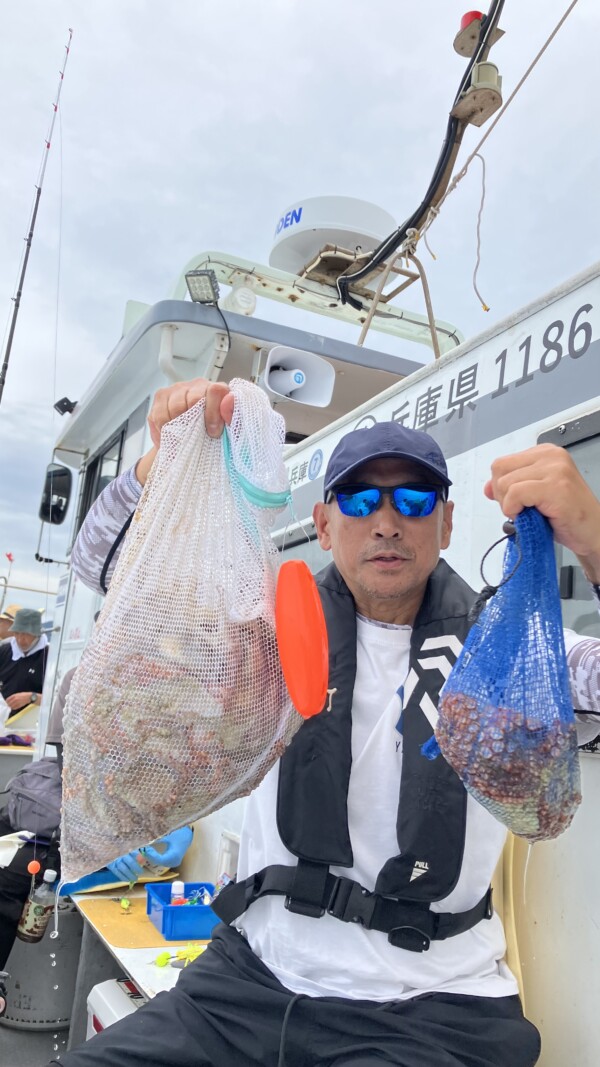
386, 517
360, 931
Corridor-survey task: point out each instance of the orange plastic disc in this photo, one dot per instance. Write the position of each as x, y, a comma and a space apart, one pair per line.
34, 867
302, 637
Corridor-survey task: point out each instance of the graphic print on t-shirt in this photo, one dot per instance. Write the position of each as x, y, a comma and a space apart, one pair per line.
417, 681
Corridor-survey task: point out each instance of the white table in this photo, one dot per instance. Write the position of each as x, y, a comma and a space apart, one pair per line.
101, 960
138, 963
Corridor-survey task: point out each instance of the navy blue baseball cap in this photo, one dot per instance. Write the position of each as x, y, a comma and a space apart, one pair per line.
383, 440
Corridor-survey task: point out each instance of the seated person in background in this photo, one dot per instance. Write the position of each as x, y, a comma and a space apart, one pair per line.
15, 882
23, 660
7, 618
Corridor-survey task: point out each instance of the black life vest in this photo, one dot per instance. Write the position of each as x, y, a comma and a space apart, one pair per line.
312, 817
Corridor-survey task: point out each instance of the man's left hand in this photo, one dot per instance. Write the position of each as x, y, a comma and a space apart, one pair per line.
126, 868
18, 701
545, 477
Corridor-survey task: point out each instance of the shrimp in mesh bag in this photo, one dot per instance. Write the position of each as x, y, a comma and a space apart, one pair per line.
179, 705
506, 722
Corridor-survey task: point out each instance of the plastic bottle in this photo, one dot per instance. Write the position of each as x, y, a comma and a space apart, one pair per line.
38, 909
177, 892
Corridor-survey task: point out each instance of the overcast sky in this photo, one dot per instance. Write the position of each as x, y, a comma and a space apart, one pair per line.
190, 126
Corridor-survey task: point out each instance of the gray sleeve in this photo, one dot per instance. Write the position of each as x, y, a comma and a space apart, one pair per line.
583, 661
55, 722
102, 525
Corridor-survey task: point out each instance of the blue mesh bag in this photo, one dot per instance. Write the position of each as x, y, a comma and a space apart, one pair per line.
506, 722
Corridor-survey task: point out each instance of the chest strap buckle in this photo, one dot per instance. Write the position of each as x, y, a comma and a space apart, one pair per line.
351, 902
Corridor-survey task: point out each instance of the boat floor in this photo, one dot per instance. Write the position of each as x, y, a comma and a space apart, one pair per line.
30, 1048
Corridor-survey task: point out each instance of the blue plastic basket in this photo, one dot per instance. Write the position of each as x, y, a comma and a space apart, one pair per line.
180, 922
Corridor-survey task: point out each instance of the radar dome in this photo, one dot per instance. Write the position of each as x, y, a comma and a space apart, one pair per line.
304, 228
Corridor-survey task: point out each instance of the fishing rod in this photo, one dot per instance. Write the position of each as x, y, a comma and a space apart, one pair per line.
29, 238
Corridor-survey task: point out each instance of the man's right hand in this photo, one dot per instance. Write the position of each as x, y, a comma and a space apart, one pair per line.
172, 401
175, 399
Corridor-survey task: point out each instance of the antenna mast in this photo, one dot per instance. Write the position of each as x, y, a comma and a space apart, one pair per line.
29, 238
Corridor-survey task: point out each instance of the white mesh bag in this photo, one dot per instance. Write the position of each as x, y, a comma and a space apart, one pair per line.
179, 704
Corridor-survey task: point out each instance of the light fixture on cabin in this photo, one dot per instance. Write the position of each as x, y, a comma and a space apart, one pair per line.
64, 406
203, 286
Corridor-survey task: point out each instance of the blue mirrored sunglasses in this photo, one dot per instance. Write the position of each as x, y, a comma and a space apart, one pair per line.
415, 501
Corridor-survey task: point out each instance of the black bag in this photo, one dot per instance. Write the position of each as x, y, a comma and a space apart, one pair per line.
34, 798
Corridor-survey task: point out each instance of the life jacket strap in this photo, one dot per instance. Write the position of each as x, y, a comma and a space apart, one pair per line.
310, 889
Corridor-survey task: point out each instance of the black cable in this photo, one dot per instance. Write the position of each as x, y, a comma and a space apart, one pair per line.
112, 550
395, 239
225, 325
286, 1019
489, 591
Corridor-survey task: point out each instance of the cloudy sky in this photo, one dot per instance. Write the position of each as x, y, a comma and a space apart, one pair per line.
190, 126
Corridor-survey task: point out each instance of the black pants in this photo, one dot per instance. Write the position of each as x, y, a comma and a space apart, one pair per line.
15, 883
228, 1010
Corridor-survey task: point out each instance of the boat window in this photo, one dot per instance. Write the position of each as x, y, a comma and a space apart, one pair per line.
578, 603
310, 551
579, 608
100, 470
133, 447
119, 453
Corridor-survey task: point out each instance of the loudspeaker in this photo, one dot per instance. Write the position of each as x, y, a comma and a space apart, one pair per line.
299, 376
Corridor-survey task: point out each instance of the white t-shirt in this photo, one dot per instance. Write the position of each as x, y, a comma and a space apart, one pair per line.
327, 957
